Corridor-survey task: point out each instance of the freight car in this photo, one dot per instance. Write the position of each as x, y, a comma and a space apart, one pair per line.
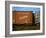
21, 17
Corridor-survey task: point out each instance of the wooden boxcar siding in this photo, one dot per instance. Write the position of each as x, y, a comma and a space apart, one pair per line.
21, 17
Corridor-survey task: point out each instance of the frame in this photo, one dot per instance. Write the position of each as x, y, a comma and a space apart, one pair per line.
11, 6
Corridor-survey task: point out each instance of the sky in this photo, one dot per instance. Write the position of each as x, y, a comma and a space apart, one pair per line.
26, 9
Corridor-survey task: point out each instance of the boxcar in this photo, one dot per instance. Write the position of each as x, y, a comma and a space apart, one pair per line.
21, 17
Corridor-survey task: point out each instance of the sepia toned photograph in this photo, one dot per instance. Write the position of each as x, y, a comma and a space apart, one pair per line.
25, 18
